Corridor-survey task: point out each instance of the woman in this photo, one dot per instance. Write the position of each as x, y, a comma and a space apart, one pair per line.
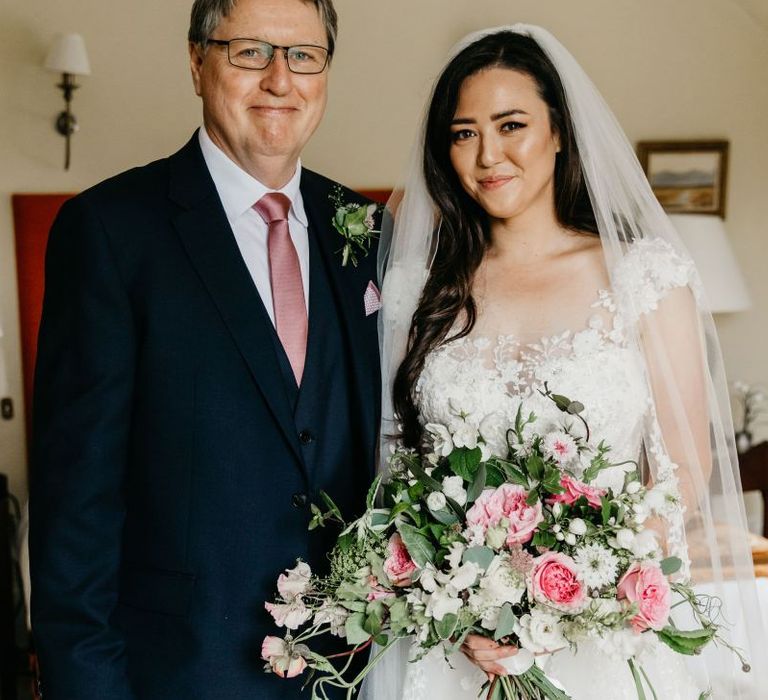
529, 249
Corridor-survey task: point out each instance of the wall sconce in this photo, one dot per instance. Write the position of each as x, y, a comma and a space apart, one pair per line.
68, 56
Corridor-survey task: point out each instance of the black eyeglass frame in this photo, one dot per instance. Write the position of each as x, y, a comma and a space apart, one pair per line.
285, 49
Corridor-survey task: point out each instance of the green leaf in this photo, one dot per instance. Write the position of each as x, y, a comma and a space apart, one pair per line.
418, 471
370, 499
398, 509
686, 642
419, 547
671, 565
478, 484
543, 539
535, 466
444, 516
445, 627
506, 624
495, 477
464, 462
482, 556
354, 629
605, 508
514, 475
533, 497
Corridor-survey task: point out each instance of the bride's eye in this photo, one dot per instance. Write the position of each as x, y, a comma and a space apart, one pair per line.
512, 126
461, 135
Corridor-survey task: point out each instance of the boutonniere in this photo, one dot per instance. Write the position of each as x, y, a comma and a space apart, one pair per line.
356, 224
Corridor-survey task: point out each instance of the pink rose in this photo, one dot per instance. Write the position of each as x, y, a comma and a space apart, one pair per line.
378, 592
506, 502
644, 584
398, 566
554, 582
283, 660
575, 489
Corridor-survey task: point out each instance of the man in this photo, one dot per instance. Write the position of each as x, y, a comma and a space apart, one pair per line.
206, 366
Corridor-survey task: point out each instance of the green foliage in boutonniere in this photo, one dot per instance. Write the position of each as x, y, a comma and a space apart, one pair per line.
356, 224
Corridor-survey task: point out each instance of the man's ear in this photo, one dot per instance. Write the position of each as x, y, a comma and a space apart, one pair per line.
196, 57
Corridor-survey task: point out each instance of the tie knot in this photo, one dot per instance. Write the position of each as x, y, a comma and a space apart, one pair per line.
273, 206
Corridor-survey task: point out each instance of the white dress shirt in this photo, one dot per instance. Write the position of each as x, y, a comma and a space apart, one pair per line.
238, 192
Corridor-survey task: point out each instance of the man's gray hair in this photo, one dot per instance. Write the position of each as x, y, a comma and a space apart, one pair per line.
207, 15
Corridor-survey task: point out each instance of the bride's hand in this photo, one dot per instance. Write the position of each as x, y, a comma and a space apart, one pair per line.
484, 652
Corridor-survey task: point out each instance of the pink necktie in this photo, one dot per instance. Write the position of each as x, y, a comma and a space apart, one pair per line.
285, 277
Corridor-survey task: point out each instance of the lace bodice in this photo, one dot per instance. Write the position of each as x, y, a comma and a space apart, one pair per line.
483, 380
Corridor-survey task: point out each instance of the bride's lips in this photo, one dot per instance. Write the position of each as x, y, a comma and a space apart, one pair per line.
495, 182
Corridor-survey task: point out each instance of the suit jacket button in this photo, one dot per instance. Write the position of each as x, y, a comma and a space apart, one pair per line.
305, 437
299, 500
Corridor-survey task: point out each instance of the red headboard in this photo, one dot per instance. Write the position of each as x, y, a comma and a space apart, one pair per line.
33, 215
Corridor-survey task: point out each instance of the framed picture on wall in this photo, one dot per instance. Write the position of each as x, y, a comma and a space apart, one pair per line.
687, 177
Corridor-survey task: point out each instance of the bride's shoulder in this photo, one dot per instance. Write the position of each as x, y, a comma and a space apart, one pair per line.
649, 270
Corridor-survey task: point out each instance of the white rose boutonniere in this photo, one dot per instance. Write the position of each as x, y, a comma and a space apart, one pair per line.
356, 224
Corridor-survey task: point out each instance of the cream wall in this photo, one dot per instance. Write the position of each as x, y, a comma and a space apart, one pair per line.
683, 69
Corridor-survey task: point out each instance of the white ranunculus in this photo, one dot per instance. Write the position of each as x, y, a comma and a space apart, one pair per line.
465, 435
436, 501
294, 582
442, 443
453, 487
540, 632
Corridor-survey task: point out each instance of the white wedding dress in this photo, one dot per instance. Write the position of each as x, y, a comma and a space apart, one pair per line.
487, 376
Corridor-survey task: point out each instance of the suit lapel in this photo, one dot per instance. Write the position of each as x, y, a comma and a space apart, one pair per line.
213, 251
348, 285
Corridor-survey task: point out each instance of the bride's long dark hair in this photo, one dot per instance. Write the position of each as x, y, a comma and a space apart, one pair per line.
465, 229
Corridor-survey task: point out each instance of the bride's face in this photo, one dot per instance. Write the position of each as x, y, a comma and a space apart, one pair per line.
502, 145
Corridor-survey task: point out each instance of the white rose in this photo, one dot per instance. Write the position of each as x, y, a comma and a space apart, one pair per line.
540, 632
436, 501
453, 487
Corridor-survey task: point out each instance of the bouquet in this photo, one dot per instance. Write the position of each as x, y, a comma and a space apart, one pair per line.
512, 541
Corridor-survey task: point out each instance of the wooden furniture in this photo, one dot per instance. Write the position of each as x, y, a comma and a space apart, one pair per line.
753, 465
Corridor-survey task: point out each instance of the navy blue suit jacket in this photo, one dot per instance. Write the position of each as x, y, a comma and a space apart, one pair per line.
170, 479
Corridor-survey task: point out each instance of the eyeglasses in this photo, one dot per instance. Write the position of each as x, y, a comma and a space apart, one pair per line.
253, 54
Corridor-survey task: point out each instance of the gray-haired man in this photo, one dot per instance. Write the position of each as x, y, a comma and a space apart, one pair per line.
190, 401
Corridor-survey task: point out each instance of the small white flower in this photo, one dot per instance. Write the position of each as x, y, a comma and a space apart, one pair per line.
597, 566
453, 487
333, 615
578, 527
464, 577
442, 603
557, 510
560, 446
570, 539
466, 435
442, 443
436, 501
633, 487
455, 553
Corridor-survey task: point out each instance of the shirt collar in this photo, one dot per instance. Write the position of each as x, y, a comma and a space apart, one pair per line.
238, 190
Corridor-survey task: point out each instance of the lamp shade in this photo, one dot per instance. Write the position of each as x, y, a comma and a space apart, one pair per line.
68, 55
707, 242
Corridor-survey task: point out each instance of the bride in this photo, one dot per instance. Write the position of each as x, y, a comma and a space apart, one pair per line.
529, 249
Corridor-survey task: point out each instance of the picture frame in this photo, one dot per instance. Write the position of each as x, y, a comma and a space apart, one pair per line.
687, 177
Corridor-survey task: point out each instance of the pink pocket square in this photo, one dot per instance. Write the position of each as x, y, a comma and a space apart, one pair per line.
371, 299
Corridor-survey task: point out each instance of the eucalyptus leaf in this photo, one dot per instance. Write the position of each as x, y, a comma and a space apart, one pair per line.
354, 629
482, 556
671, 565
445, 627
506, 623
